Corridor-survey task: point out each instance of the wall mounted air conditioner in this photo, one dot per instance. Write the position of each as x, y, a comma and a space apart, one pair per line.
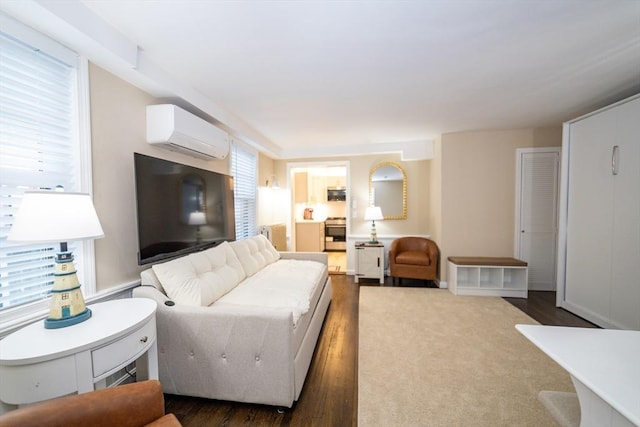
175, 129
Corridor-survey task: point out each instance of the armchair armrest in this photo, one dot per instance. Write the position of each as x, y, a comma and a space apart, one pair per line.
130, 405
434, 253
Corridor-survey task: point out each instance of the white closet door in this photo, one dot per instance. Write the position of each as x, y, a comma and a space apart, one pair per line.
538, 216
589, 217
625, 280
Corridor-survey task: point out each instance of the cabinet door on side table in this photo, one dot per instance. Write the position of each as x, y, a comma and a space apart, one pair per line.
369, 262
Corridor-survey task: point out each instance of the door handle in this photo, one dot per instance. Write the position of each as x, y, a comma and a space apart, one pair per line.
614, 160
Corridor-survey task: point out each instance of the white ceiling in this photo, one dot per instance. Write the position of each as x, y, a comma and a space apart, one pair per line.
305, 74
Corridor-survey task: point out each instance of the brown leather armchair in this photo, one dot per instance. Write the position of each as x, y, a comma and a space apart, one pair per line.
130, 405
414, 258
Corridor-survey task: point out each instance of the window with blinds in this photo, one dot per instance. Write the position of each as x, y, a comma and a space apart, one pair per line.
244, 169
39, 149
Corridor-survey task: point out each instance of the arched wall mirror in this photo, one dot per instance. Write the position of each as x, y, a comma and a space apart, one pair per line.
388, 189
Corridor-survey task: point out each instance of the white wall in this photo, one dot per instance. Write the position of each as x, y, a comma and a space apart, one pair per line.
477, 184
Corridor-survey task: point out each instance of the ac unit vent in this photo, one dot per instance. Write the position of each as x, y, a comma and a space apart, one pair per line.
175, 129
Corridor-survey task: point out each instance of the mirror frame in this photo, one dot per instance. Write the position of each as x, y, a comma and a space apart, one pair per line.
404, 189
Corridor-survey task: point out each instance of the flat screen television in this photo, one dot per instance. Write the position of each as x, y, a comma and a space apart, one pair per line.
180, 209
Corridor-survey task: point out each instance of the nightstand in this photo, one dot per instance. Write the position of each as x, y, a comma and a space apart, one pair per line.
38, 364
369, 261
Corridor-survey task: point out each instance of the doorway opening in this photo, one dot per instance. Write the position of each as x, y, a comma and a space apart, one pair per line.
319, 198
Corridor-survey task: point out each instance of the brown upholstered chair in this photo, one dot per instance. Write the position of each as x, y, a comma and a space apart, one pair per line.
130, 405
414, 258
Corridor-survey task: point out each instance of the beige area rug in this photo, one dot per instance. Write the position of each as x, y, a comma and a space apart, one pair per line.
429, 358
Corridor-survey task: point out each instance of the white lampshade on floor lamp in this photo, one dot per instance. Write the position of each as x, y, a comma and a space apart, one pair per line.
373, 214
55, 216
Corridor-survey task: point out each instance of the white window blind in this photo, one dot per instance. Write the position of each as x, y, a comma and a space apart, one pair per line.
39, 149
244, 170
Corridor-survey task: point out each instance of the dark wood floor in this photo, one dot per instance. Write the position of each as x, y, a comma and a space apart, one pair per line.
329, 396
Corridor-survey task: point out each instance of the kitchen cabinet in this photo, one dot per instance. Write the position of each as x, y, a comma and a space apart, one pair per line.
300, 186
310, 236
318, 189
336, 181
599, 265
311, 188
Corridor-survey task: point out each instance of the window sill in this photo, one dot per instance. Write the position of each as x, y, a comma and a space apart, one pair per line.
12, 323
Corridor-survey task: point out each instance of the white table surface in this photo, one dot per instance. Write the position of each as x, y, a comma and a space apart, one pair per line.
108, 321
607, 361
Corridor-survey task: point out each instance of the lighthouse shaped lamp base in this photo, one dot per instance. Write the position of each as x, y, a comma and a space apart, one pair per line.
67, 303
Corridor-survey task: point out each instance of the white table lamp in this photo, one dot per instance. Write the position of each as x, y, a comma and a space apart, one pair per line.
373, 214
55, 216
197, 218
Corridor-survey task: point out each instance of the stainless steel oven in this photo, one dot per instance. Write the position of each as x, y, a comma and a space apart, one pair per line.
335, 232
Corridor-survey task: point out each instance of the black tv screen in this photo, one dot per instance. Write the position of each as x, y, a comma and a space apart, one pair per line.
180, 208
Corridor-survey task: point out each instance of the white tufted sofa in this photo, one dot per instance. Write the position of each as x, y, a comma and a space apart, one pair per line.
239, 321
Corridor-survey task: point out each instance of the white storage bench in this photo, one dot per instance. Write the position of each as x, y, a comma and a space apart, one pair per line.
487, 276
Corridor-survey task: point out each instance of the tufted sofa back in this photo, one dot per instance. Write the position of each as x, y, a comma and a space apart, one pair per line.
201, 278
255, 253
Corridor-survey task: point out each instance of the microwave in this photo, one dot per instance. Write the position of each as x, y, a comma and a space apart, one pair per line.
335, 194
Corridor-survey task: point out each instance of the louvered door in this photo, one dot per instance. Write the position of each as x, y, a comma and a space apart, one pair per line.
536, 232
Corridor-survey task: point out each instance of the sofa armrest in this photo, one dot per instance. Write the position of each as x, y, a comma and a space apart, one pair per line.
145, 291
310, 256
129, 405
245, 352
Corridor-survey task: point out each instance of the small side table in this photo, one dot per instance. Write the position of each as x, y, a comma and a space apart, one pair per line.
369, 261
38, 364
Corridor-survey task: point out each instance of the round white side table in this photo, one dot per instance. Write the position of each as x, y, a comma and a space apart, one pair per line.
38, 364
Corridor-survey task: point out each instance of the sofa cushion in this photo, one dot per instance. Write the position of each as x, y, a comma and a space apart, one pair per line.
287, 284
255, 253
201, 278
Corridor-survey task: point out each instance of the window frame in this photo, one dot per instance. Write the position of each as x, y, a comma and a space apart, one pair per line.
13, 318
235, 146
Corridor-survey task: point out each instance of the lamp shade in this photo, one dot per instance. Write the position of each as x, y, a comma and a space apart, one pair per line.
197, 218
52, 216
373, 213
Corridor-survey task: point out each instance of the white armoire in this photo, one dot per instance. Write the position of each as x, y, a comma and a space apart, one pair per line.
599, 235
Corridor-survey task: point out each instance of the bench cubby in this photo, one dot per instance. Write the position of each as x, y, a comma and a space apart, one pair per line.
487, 276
